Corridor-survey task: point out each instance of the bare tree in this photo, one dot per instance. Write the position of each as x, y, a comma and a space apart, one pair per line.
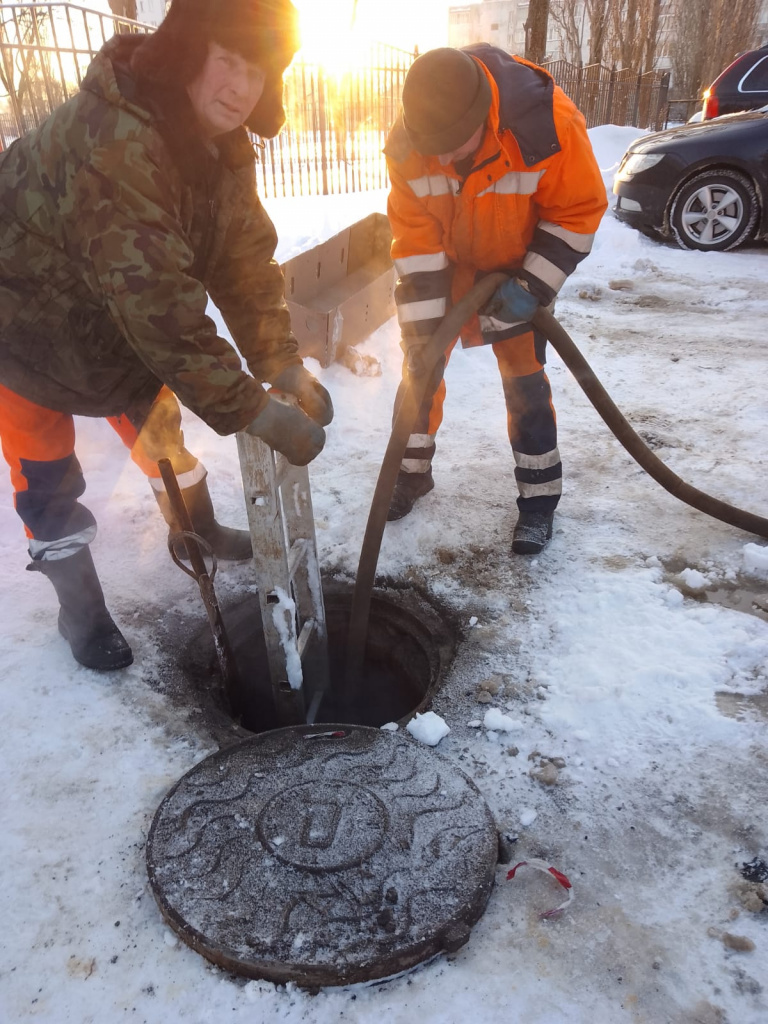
25, 75
598, 14
570, 15
625, 32
633, 33
652, 19
625, 40
707, 36
536, 30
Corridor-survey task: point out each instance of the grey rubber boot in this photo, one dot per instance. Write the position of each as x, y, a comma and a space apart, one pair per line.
532, 531
227, 544
84, 621
408, 488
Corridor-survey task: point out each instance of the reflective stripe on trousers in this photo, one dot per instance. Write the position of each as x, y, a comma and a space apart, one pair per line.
39, 446
531, 420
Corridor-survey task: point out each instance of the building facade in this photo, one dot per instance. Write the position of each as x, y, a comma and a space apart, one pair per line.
502, 23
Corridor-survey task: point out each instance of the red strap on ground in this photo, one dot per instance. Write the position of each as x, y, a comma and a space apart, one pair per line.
560, 878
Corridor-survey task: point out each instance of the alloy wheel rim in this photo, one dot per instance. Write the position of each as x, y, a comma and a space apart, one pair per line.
712, 214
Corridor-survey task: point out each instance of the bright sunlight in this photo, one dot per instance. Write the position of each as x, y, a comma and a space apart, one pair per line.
338, 33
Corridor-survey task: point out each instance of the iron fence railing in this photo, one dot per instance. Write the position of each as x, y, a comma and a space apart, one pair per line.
681, 110
609, 96
336, 121
336, 126
44, 52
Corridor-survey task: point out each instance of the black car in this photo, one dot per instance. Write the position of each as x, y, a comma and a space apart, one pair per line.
742, 86
704, 184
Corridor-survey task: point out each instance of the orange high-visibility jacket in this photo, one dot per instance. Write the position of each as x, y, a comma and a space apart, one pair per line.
530, 205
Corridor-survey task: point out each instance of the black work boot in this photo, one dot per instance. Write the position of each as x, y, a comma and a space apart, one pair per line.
532, 531
408, 488
227, 544
84, 621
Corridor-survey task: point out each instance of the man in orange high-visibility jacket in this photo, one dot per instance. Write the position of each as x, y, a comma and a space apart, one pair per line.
491, 169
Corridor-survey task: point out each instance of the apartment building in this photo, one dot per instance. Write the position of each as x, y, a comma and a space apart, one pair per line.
502, 23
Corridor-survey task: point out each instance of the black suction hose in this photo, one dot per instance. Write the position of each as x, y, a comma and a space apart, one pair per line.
402, 428
632, 441
406, 418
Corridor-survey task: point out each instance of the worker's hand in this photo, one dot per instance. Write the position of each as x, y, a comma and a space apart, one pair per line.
511, 302
313, 398
288, 430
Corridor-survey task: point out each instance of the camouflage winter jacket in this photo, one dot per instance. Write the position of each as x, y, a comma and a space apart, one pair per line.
116, 219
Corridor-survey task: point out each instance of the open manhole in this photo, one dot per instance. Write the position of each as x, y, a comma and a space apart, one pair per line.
409, 648
323, 856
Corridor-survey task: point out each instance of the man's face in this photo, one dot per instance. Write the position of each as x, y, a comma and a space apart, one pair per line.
226, 91
468, 149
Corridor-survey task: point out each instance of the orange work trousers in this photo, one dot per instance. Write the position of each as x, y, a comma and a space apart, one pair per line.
39, 446
531, 419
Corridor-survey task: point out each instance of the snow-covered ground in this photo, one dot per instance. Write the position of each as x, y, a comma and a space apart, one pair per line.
604, 652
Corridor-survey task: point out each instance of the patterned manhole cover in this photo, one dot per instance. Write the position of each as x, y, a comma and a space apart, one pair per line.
323, 855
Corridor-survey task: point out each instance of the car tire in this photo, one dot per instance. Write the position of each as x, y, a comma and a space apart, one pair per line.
714, 211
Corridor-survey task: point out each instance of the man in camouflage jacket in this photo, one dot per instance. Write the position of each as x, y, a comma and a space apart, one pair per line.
119, 216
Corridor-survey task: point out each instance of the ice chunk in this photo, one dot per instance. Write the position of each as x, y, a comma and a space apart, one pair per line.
528, 816
694, 579
428, 728
499, 722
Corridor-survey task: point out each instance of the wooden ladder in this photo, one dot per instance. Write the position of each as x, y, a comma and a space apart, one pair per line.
279, 504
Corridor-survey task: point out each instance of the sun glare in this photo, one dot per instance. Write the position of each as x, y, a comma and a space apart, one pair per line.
338, 33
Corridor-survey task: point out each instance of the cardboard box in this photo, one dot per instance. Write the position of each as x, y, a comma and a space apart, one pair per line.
339, 292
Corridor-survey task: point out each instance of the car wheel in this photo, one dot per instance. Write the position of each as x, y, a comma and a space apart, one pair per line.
715, 211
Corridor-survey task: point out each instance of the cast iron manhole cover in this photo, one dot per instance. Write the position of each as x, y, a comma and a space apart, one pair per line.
323, 855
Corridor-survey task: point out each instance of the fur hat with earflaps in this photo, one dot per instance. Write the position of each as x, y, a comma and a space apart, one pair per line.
265, 32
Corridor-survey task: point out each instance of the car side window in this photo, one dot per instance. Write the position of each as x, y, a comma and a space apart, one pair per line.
756, 79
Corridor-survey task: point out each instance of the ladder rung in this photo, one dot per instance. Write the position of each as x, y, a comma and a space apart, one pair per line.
314, 707
296, 555
304, 635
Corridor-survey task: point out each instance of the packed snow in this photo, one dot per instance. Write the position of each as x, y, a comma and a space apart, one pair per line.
632, 653
497, 721
428, 728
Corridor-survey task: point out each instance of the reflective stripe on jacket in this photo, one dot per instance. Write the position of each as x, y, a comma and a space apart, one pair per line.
530, 205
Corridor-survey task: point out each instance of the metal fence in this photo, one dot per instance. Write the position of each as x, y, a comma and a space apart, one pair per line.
336, 126
607, 96
681, 110
45, 50
336, 122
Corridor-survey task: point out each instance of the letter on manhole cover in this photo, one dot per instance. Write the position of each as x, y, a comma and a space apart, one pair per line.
323, 826
299, 856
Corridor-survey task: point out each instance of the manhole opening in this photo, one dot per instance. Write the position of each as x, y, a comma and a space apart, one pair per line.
409, 649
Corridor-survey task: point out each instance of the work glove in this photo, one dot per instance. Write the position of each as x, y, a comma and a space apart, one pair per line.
312, 396
511, 302
284, 427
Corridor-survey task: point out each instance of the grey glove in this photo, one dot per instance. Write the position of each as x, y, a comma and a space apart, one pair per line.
289, 431
313, 398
